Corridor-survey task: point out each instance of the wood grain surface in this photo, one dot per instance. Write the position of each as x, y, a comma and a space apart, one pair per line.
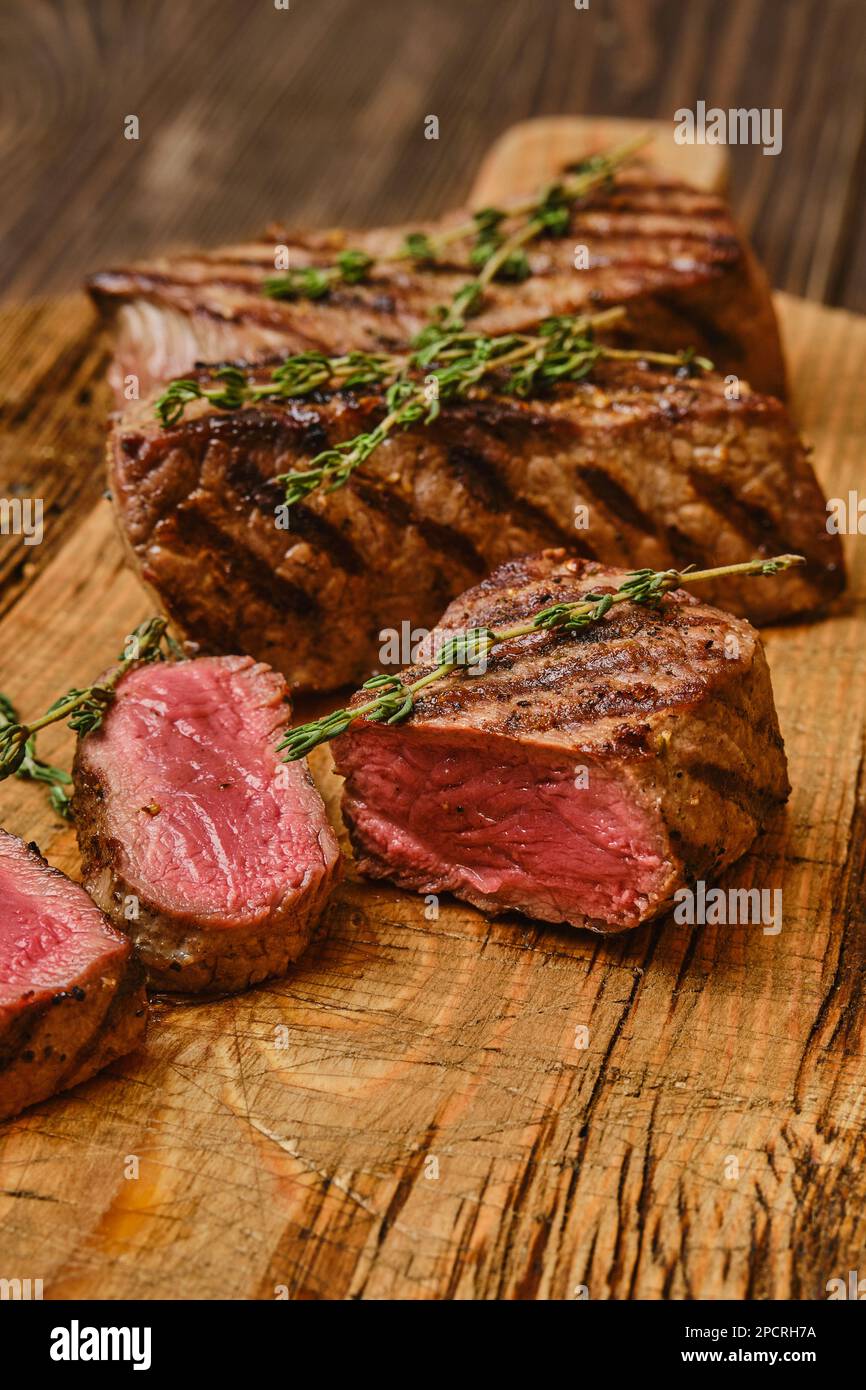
407, 1115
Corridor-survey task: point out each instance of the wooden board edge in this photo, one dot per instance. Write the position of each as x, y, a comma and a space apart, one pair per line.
533, 151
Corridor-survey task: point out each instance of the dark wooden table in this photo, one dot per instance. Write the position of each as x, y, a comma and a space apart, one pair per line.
316, 114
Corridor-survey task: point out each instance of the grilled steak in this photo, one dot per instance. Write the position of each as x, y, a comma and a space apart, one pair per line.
670, 254
670, 473
213, 854
71, 993
584, 777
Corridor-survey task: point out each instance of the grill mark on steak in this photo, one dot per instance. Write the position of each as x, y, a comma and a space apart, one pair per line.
250, 486
684, 550
198, 532
720, 343
716, 246
731, 785
722, 242
504, 417
298, 425
751, 519
615, 499
266, 494
250, 311
240, 434
659, 190
19, 1035
581, 701
312, 526
594, 665
128, 996
446, 541
478, 472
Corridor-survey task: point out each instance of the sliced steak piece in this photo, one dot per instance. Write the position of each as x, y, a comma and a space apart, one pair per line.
213, 854
71, 992
668, 471
584, 777
670, 254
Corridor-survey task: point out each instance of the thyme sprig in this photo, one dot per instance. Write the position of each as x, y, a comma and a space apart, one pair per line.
315, 282
31, 768
493, 253
83, 708
296, 376
448, 366
393, 701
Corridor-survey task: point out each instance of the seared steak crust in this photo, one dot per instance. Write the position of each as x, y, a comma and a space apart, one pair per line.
676, 702
671, 254
59, 1026
182, 957
633, 467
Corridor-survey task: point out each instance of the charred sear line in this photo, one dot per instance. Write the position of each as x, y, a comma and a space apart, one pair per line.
578, 703
505, 604
115, 1008
445, 541
615, 500
664, 191
683, 549
510, 421
733, 786
243, 430
249, 486
760, 529
20, 1031
479, 474
698, 329
196, 533
647, 249
329, 540
265, 494
254, 308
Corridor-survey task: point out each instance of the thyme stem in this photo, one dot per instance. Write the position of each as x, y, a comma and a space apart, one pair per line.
83, 708
31, 768
395, 701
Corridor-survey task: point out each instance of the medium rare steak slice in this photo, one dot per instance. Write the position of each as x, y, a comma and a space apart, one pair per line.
71, 993
213, 854
584, 777
656, 470
670, 254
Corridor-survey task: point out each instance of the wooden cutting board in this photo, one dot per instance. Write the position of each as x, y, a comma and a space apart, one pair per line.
407, 1115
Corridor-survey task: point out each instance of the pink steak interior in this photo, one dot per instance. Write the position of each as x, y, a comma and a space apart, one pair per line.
50, 931
207, 818
487, 818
